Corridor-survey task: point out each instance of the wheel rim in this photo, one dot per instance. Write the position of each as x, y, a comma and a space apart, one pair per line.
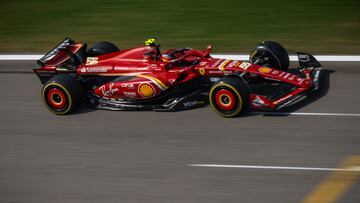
56, 98
225, 99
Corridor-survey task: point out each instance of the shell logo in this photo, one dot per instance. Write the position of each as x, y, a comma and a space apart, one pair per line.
264, 70
146, 90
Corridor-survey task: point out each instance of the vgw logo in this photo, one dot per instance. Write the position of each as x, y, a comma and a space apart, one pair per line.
190, 104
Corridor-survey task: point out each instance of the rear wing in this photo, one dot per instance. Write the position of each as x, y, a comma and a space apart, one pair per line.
64, 57
51, 54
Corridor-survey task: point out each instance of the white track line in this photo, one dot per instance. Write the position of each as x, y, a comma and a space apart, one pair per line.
349, 58
351, 169
294, 57
30, 57
306, 114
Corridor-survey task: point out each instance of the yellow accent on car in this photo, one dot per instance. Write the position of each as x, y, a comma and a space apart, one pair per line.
226, 96
202, 71
221, 67
66, 92
52, 99
146, 90
157, 82
252, 54
237, 94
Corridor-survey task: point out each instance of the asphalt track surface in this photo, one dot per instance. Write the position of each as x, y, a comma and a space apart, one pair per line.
106, 156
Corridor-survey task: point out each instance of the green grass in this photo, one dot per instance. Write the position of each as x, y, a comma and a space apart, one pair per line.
232, 26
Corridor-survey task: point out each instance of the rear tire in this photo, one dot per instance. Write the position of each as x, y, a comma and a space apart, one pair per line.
62, 94
229, 97
100, 48
270, 54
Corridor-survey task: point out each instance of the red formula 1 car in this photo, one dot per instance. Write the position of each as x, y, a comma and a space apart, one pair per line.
144, 78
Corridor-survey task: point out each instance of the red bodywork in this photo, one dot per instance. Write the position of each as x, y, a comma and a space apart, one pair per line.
152, 76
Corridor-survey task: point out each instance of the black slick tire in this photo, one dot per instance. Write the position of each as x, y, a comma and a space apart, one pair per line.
229, 97
62, 94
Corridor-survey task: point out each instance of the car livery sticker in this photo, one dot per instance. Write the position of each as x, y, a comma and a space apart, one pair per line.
110, 91
235, 63
245, 65
221, 66
146, 90
91, 60
93, 70
265, 70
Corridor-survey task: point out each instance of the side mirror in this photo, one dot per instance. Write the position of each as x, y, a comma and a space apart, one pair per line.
207, 51
208, 48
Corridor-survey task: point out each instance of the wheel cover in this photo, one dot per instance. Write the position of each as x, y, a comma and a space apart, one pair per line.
56, 98
225, 99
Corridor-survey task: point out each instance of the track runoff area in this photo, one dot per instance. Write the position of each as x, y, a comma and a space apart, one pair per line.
340, 178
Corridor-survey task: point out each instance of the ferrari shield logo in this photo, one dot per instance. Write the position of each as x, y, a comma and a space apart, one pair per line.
202, 71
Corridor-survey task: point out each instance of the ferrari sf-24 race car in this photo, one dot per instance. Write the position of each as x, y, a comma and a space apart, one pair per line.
144, 78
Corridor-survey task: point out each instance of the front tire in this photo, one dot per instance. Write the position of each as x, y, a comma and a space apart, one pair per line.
62, 94
229, 97
270, 54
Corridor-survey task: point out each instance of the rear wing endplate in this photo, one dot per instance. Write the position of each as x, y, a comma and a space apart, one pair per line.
50, 55
307, 60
